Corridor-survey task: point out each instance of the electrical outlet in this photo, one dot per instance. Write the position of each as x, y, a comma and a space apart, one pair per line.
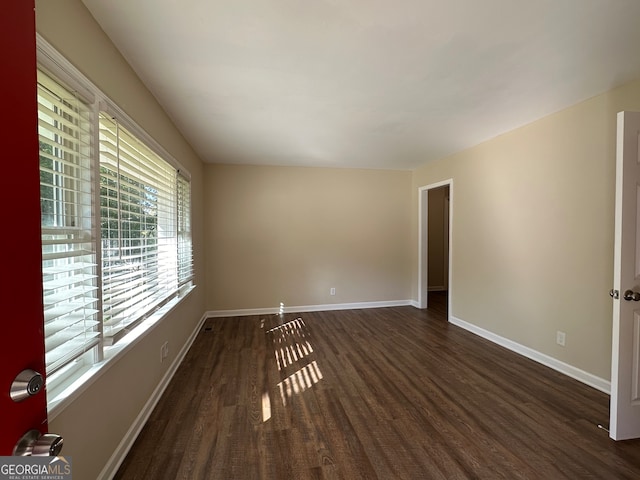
332, 291
560, 338
164, 351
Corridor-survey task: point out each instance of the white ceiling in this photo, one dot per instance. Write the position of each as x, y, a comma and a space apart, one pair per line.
367, 83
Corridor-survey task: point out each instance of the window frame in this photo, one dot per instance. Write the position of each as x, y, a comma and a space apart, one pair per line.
93, 363
70, 291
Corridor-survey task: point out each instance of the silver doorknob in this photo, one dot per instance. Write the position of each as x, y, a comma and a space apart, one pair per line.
27, 383
615, 294
631, 295
34, 444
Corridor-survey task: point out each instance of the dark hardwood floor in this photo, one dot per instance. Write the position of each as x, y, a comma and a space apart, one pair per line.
437, 302
388, 393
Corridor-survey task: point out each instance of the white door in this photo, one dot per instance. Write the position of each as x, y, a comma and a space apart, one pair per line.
624, 421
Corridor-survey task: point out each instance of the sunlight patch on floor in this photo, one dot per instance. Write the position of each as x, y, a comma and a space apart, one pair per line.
299, 381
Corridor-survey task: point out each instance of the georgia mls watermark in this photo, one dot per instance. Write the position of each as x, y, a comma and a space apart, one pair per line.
35, 468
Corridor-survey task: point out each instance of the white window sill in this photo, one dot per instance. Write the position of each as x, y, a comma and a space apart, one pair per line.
62, 395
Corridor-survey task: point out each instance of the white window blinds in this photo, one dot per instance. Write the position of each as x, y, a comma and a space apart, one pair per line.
185, 256
139, 235
116, 225
68, 243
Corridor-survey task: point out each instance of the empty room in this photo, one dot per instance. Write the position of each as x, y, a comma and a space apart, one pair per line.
331, 239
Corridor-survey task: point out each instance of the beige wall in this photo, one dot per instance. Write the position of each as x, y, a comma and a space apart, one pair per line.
533, 230
94, 424
285, 234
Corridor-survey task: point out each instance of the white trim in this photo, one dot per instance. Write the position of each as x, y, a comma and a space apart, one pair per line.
120, 453
423, 237
553, 363
55, 64
307, 308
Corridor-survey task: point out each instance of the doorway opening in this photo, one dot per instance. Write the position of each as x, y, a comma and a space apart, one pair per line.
434, 270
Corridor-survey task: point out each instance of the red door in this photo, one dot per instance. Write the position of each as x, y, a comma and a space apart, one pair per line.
21, 331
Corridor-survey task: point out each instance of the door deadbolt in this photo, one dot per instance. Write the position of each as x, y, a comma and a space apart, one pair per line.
35, 444
27, 383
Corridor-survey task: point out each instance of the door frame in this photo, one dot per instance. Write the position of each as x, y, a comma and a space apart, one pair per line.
423, 236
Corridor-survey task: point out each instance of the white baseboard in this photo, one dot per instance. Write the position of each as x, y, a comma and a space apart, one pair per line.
307, 308
118, 456
569, 370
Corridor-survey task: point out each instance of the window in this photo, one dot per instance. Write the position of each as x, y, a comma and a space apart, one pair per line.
138, 225
116, 226
68, 245
185, 251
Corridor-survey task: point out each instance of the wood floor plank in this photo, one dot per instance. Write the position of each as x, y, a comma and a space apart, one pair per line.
388, 393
